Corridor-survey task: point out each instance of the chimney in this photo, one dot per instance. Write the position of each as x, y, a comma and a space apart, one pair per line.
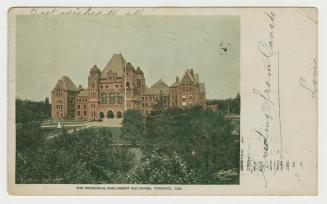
177, 79
80, 87
191, 72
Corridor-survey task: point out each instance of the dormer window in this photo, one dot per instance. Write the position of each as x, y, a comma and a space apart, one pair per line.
111, 77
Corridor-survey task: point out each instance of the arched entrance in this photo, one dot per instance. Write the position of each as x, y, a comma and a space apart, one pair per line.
101, 115
110, 114
119, 115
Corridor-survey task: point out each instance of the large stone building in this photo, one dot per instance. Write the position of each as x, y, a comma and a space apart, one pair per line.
107, 96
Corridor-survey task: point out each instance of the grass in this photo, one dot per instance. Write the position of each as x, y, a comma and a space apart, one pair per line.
138, 155
116, 135
117, 139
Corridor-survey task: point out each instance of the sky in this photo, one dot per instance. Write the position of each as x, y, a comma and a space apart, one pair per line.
48, 47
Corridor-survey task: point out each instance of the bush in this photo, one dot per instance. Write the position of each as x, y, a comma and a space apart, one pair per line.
162, 169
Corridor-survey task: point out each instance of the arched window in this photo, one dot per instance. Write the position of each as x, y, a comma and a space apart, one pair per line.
119, 115
120, 99
103, 98
58, 104
112, 99
110, 114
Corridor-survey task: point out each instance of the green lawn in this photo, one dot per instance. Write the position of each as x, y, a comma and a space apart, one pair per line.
116, 135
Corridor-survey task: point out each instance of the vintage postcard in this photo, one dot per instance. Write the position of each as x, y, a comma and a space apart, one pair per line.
162, 101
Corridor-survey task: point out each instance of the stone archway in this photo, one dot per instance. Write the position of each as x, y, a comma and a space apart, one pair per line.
110, 114
101, 115
119, 115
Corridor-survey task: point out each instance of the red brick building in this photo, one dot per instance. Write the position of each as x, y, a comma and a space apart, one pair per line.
107, 96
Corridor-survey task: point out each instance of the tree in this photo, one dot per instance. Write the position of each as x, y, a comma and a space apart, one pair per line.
227, 106
161, 105
133, 126
203, 138
162, 169
86, 156
29, 116
46, 101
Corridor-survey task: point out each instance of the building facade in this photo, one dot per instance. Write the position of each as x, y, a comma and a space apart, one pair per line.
119, 87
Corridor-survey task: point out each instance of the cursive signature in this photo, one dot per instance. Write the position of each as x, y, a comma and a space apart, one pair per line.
89, 11
266, 51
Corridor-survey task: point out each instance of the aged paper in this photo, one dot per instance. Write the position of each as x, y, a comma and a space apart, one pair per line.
266, 57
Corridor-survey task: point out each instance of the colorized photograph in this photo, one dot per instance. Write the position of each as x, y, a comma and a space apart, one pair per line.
127, 99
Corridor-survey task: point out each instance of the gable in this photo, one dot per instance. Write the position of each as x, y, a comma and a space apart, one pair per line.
187, 78
116, 65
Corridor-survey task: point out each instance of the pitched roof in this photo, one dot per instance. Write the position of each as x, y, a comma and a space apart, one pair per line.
193, 77
116, 64
68, 84
83, 93
159, 84
157, 88
155, 91
175, 84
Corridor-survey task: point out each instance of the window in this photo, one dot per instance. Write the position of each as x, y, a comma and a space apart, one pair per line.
103, 98
138, 82
78, 113
58, 104
84, 113
58, 93
120, 99
78, 106
112, 99
84, 106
